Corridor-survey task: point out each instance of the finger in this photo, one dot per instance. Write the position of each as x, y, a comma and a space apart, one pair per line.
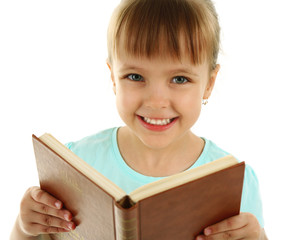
43, 197
37, 224
42, 229
229, 235
59, 213
226, 225
50, 221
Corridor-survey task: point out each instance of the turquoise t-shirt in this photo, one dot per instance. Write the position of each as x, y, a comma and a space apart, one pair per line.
101, 152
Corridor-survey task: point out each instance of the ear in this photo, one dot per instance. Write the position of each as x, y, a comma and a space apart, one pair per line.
112, 77
211, 82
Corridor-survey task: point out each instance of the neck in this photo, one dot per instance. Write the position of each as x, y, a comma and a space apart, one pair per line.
159, 162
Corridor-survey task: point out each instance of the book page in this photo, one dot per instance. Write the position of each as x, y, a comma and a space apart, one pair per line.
181, 178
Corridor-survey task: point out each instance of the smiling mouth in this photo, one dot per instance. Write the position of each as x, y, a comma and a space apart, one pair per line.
157, 122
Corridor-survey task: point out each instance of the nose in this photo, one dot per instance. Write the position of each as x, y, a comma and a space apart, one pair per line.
157, 96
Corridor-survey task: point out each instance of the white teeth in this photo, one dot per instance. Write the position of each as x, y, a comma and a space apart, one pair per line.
158, 121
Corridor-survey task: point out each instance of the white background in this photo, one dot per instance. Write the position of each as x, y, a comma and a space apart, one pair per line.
53, 78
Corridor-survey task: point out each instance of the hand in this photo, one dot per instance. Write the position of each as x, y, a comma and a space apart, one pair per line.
242, 226
41, 213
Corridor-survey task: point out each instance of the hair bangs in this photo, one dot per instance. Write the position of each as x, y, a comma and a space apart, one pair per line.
164, 28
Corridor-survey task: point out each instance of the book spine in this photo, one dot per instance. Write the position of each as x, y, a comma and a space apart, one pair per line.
126, 222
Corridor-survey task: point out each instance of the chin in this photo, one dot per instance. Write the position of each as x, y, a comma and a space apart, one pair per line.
157, 142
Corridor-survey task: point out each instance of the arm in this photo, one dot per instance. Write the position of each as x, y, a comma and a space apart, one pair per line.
243, 226
40, 214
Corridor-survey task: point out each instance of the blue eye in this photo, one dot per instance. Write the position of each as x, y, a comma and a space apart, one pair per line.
135, 77
180, 80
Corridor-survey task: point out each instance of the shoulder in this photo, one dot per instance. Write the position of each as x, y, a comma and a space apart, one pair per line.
99, 138
212, 152
94, 147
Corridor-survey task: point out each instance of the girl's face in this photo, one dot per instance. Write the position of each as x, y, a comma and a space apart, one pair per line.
160, 99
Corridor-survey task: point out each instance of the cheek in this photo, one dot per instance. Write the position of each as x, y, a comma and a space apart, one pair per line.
193, 110
189, 105
126, 101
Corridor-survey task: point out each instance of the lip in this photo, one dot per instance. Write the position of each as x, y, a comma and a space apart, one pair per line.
156, 128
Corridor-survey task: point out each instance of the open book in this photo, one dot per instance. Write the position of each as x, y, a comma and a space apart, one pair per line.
176, 207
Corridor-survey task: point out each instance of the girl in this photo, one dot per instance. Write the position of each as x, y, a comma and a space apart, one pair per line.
162, 56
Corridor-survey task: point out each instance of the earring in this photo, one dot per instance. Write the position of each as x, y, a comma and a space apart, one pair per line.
204, 101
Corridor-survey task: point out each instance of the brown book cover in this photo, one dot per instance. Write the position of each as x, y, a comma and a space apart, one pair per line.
179, 212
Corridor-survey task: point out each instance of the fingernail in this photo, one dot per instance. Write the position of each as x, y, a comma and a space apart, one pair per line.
58, 204
71, 226
207, 231
67, 217
199, 238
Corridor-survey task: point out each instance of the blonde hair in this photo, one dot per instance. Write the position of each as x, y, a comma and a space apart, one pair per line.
156, 27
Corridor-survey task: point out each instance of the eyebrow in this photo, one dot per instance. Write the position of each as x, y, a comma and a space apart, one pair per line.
126, 66
184, 70
131, 67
